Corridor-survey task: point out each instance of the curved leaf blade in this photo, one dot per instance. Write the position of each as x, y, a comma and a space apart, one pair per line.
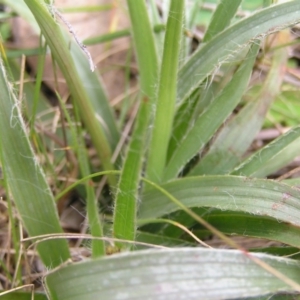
25, 178
263, 161
60, 50
213, 117
255, 196
224, 45
234, 138
186, 273
236, 223
221, 18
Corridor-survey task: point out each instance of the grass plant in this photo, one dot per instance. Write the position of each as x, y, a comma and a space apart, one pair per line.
187, 171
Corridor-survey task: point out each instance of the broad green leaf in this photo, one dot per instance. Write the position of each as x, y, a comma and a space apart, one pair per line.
25, 178
255, 196
219, 49
186, 273
210, 120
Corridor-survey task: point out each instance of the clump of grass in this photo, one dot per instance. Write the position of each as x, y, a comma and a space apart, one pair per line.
187, 170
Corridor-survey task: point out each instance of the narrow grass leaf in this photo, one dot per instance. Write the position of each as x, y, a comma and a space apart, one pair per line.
280, 161
124, 226
25, 178
87, 8
145, 47
191, 13
38, 84
91, 81
60, 50
28, 91
233, 223
236, 136
166, 99
182, 218
158, 28
21, 8
271, 157
96, 95
107, 37
125, 207
157, 239
189, 110
237, 223
155, 18
221, 18
182, 121
98, 246
185, 273
208, 57
289, 252
210, 120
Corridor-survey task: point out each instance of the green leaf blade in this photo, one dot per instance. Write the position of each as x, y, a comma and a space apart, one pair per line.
185, 273
215, 114
163, 120
257, 164
223, 45
25, 178
60, 50
145, 46
236, 136
127, 194
221, 18
255, 196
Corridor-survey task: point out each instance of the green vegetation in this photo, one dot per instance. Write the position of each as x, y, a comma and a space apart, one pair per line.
189, 169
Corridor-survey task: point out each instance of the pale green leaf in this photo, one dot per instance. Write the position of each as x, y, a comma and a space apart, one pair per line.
186, 273
255, 196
